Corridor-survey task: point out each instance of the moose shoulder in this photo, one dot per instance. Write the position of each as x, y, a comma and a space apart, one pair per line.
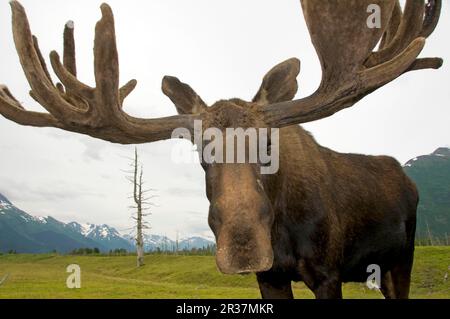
323, 217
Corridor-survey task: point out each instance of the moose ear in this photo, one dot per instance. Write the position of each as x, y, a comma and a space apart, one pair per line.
280, 84
183, 96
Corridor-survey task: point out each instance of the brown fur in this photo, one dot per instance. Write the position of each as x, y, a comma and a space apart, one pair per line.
335, 214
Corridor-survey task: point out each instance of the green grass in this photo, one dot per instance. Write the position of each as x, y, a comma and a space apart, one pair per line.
44, 276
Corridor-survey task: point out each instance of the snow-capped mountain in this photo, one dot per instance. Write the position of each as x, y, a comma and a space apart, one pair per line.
164, 243
104, 234
95, 231
24, 233
4, 200
195, 242
441, 154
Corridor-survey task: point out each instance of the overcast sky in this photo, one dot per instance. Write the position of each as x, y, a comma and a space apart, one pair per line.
222, 49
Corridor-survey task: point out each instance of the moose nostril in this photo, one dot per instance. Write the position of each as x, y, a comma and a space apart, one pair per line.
243, 239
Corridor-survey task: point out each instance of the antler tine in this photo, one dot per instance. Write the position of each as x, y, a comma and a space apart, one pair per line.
344, 44
126, 90
71, 83
69, 58
426, 63
106, 64
44, 68
41, 59
74, 90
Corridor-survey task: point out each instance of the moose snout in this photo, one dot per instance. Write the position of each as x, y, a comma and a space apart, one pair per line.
244, 250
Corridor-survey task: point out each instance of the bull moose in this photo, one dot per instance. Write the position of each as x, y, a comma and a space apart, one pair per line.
324, 216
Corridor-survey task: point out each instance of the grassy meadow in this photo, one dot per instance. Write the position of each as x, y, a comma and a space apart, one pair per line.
191, 277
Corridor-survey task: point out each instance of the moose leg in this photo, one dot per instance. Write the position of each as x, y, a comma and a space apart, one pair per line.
387, 286
274, 286
324, 283
401, 279
328, 289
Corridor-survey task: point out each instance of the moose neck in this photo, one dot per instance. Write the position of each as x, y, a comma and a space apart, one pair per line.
303, 169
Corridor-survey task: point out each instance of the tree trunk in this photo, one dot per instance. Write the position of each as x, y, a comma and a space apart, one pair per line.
139, 239
138, 201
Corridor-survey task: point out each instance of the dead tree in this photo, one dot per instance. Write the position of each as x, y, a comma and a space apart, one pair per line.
141, 205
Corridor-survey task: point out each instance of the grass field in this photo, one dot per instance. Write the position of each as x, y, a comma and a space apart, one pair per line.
44, 276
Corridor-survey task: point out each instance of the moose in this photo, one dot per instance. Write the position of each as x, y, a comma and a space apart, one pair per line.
323, 217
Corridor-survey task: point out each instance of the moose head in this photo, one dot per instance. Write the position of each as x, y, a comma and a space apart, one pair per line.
241, 217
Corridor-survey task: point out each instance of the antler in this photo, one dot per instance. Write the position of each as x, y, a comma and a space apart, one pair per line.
73, 105
339, 32
344, 43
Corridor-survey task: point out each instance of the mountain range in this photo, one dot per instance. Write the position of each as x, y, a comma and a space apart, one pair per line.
431, 173
23, 233
157, 242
